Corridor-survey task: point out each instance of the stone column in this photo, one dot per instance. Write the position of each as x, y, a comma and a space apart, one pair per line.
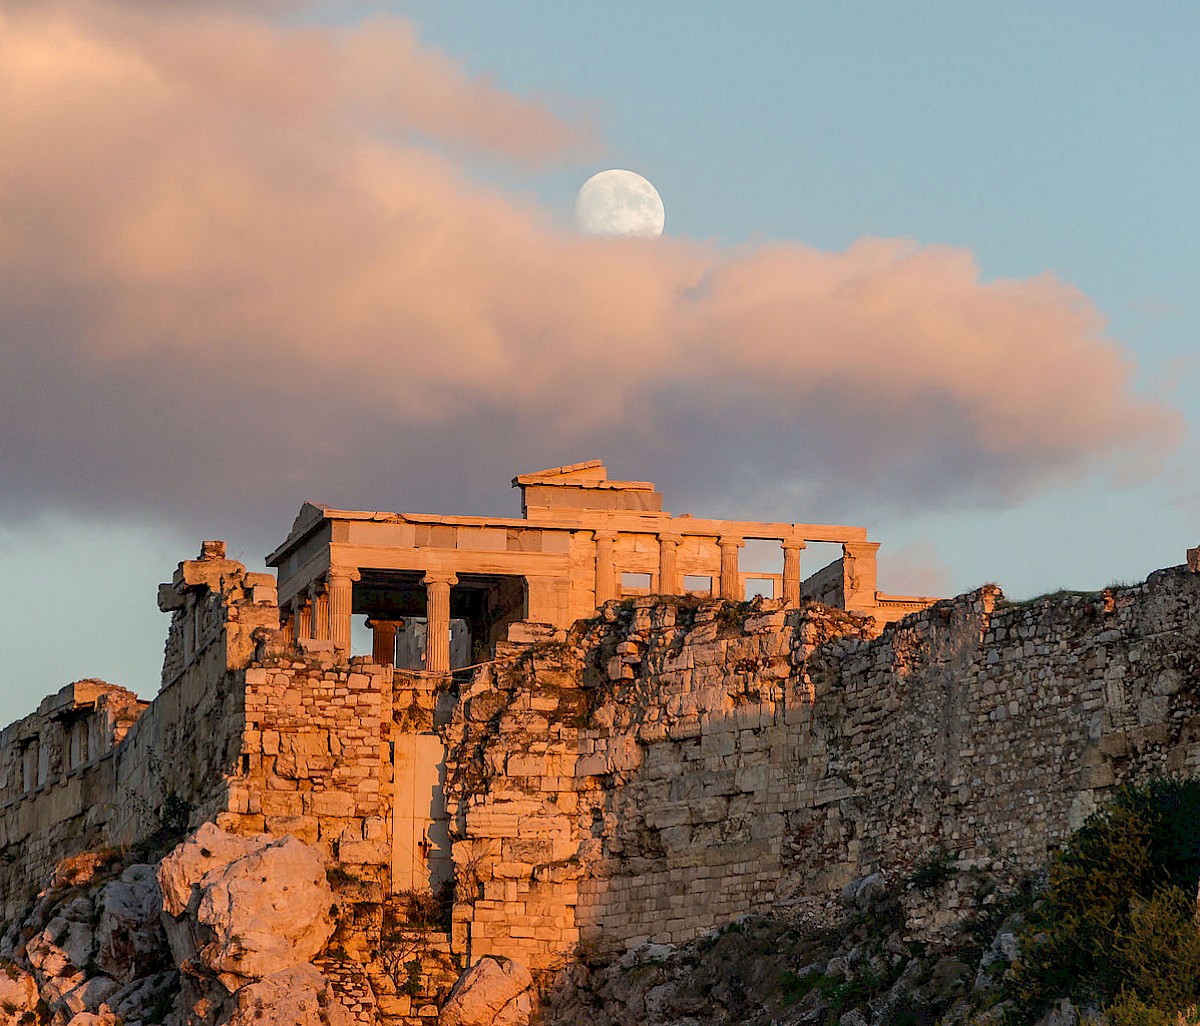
287, 626
731, 579
606, 575
437, 620
669, 581
791, 572
341, 590
302, 617
383, 641
320, 611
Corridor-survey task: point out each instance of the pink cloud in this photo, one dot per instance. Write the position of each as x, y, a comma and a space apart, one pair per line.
914, 570
230, 275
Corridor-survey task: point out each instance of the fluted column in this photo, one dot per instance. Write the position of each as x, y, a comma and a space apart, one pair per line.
791, 572
302, 617
287, 626
669, 582
320, 610
383, 641
731, 579
437, 619
606, 576
341, 590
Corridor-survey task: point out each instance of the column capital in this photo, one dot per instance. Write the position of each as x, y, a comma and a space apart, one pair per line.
344, 572
860, 548
667, 538
447, 577
731, 541
792, 543
377, 621
605, 535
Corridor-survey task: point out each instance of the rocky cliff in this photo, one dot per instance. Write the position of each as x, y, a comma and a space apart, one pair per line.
658, 772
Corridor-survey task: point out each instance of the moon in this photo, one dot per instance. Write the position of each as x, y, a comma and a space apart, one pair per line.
619, 202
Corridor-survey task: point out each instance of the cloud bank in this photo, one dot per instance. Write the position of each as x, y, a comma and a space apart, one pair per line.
242, 264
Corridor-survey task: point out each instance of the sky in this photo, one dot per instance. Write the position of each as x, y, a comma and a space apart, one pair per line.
930, 268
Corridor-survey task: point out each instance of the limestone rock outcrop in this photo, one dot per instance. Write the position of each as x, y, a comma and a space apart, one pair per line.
299, 996
243, 908
493, 992
129, 933
18, 990
221, 932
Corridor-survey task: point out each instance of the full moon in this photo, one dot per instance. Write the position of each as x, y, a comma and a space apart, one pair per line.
619, 203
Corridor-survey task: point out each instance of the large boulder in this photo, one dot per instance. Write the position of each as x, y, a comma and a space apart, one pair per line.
299, 996
493, 992
245, 908
129, 935
209, 848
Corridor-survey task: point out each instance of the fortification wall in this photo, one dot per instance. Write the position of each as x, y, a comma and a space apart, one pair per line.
258, 740
670, 768
993, 730
651, 774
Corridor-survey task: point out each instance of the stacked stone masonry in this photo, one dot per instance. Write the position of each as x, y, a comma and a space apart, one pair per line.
648, 774
729, 759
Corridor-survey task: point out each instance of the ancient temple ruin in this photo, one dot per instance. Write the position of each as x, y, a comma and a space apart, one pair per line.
272, 720
582, 540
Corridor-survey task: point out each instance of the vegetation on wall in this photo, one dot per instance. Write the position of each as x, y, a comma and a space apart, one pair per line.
1116, 929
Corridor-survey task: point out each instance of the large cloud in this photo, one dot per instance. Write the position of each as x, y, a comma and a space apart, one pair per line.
230, 277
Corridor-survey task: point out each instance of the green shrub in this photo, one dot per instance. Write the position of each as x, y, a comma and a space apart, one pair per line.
1129, 1010
1117, 923
933, 870
1159, 956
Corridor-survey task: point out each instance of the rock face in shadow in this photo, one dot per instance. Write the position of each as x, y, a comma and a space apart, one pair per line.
129, 933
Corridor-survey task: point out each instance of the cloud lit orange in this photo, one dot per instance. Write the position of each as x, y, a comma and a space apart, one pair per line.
231, 266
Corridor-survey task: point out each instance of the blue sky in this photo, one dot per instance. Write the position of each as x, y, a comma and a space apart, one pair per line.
1049, 138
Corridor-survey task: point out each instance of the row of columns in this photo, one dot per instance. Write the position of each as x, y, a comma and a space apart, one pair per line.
323, 611
323, 614
670, 581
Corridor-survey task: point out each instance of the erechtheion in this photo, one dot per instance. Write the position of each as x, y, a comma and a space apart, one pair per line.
582, 540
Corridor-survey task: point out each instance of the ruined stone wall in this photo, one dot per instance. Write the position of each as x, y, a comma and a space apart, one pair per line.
314, 762
289, 742
635, 782
170, 757
993, 729
653, 773
58, 775
511, 796
672, 767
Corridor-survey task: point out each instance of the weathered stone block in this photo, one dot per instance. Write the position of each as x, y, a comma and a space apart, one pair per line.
357, 853
305, 828
331, 803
